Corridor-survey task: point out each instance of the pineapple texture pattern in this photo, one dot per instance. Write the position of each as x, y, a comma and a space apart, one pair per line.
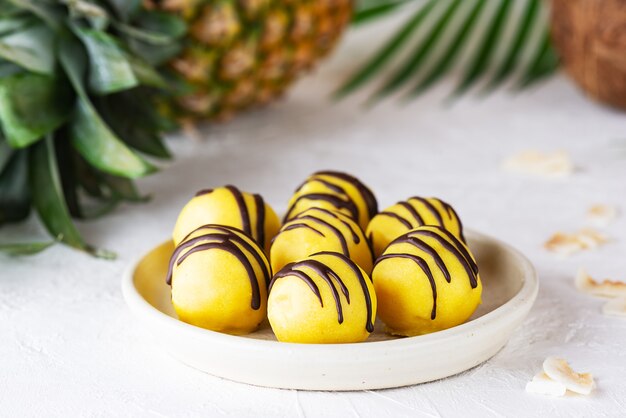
242, 53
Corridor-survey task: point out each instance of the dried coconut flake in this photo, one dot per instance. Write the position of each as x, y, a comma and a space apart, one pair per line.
567, 244
606, 288
557, 378
601, 215
554, 165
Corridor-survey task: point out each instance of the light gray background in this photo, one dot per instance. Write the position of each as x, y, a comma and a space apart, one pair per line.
69, 347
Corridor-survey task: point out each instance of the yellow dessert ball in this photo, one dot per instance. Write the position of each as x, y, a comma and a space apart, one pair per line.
336, 191
229, 206
316, 230
219, 278
426, 280
404, 216
323, 299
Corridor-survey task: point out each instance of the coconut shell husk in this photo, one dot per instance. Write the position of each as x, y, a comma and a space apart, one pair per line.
590, 36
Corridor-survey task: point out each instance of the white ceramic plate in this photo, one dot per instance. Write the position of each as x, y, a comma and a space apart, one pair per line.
510, 288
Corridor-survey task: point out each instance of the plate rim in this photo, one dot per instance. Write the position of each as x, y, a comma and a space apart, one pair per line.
526, 295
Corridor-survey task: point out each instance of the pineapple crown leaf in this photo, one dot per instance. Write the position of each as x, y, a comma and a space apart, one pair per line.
489, 41
74, 120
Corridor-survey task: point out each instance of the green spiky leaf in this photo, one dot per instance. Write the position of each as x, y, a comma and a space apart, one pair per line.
125, 8
31, 48
101, 147
31, 106
49, 200
90, 135
25, 248
109, 69
14, 192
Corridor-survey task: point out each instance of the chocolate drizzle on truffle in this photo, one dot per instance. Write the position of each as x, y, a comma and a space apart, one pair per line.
243, 209
453, 246
336, 232
223, 238
397, 217
424, 266
329, 276
260, 219
452, 215
298, 225
334, 200
312, 215
417, 208
431, 208
457, 249
337, 194
203, 192
411, 209
364, 191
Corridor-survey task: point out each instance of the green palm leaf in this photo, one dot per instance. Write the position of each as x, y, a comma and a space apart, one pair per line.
436, 52
421, 52
485, 52
367, 12
509, 64
543, 64
372, 67
445, 64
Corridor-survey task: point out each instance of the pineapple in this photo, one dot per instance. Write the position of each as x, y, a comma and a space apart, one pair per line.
241, 53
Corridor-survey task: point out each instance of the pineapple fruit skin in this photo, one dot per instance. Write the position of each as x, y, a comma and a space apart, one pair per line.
242, 53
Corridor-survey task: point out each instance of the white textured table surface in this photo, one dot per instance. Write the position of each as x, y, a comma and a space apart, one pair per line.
69, 347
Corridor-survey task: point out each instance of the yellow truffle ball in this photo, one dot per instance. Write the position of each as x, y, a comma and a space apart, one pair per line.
404, 216
219, 278
229, 206
326, 299
316, 230
427, 280
335, 191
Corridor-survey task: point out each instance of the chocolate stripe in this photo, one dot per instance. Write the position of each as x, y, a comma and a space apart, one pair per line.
455, 218
323, 273
424, 266
260, 219
463, 256
369, 324
431, 208
413, 212
231, 248
203, 192
338, 215
418, 243
332, 228
298, 225
364, 191
243, 209
223, 235
397, 217
334, 200
289, 270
